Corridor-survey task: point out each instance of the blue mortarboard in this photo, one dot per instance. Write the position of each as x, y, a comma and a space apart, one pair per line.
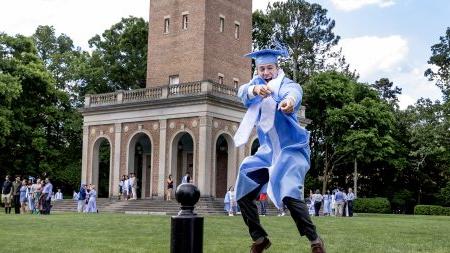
266, 56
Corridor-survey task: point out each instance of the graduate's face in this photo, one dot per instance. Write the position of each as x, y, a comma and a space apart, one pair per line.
267, 71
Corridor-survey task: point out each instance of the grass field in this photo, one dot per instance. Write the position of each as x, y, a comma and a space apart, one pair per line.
70, 232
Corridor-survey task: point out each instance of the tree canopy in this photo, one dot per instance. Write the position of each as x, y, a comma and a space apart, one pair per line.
304, 29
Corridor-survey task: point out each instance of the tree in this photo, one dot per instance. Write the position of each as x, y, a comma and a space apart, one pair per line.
41, 114
60, 58
349, 123
119, 58
386, 91
429, 148
441, 59
10, 88
306, 31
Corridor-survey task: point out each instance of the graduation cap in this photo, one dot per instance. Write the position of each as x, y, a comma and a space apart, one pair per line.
266, 56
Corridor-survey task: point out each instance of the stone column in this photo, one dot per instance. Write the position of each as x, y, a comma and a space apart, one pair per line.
114, 186
240, 157
205, 155
144, 176
162, 157
85, 158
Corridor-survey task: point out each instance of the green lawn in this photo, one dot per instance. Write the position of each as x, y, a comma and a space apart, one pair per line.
72, 232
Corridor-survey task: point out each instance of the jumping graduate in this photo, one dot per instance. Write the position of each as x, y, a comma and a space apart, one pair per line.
280, 165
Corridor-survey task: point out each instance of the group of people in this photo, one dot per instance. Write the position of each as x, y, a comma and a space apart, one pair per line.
27, 195
128, 187
86, 198
339, 203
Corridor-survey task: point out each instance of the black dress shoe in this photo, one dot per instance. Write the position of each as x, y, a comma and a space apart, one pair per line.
318, 247
259, 247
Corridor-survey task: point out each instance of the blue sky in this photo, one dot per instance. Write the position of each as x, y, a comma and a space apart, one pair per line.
392, 39
380, 38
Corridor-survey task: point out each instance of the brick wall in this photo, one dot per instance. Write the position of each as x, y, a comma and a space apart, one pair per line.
201, 51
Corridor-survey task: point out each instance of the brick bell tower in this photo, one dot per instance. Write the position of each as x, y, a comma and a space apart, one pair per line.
196, 40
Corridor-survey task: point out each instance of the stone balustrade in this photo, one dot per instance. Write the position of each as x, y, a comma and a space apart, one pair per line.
185, 89
161, 92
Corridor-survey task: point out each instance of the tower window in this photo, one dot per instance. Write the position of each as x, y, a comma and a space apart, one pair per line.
222, 24
236, 31
221, 76
166, 25
185, 22
174, 80
235, 83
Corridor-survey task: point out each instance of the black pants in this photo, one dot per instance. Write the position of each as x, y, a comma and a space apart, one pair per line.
350, 208
297, 208
344, 213
17, 204
46, 204
317, 208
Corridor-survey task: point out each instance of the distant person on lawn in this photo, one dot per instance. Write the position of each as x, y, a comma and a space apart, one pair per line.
82, 198
6, 194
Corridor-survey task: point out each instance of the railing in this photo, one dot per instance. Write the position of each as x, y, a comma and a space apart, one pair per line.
142, 94
223, 89
185, 89
161, 92
102, 99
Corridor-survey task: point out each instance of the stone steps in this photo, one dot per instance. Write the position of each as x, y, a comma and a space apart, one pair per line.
205, 206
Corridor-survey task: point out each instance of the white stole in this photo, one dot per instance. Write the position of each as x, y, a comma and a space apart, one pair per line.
267, 107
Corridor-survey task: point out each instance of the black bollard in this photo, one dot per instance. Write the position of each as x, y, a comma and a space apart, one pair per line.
186, 227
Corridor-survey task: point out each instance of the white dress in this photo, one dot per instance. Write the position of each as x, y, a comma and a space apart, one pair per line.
92, 204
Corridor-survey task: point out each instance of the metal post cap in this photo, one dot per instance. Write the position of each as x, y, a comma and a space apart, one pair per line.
187, 194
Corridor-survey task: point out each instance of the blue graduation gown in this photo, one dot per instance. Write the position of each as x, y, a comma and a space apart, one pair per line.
284, 150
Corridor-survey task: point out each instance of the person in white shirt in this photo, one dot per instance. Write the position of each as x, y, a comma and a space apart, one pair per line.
326, 203
126, 185
333, 204
317, 201
133, 184
59, 195
187, 178
350, 198
121, 182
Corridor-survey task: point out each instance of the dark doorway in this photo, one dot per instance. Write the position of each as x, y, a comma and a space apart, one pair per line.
104, 154
185, 157
221, 166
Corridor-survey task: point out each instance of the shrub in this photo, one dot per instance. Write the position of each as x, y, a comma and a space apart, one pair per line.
445, 195
431, 210
372, 205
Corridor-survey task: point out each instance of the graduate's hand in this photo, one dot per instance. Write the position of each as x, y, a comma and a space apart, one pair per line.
261, 90
287, 105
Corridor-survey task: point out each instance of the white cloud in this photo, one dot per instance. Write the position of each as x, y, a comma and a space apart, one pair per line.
350, 5
387, 57
370, 54
414, 85
405, 100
